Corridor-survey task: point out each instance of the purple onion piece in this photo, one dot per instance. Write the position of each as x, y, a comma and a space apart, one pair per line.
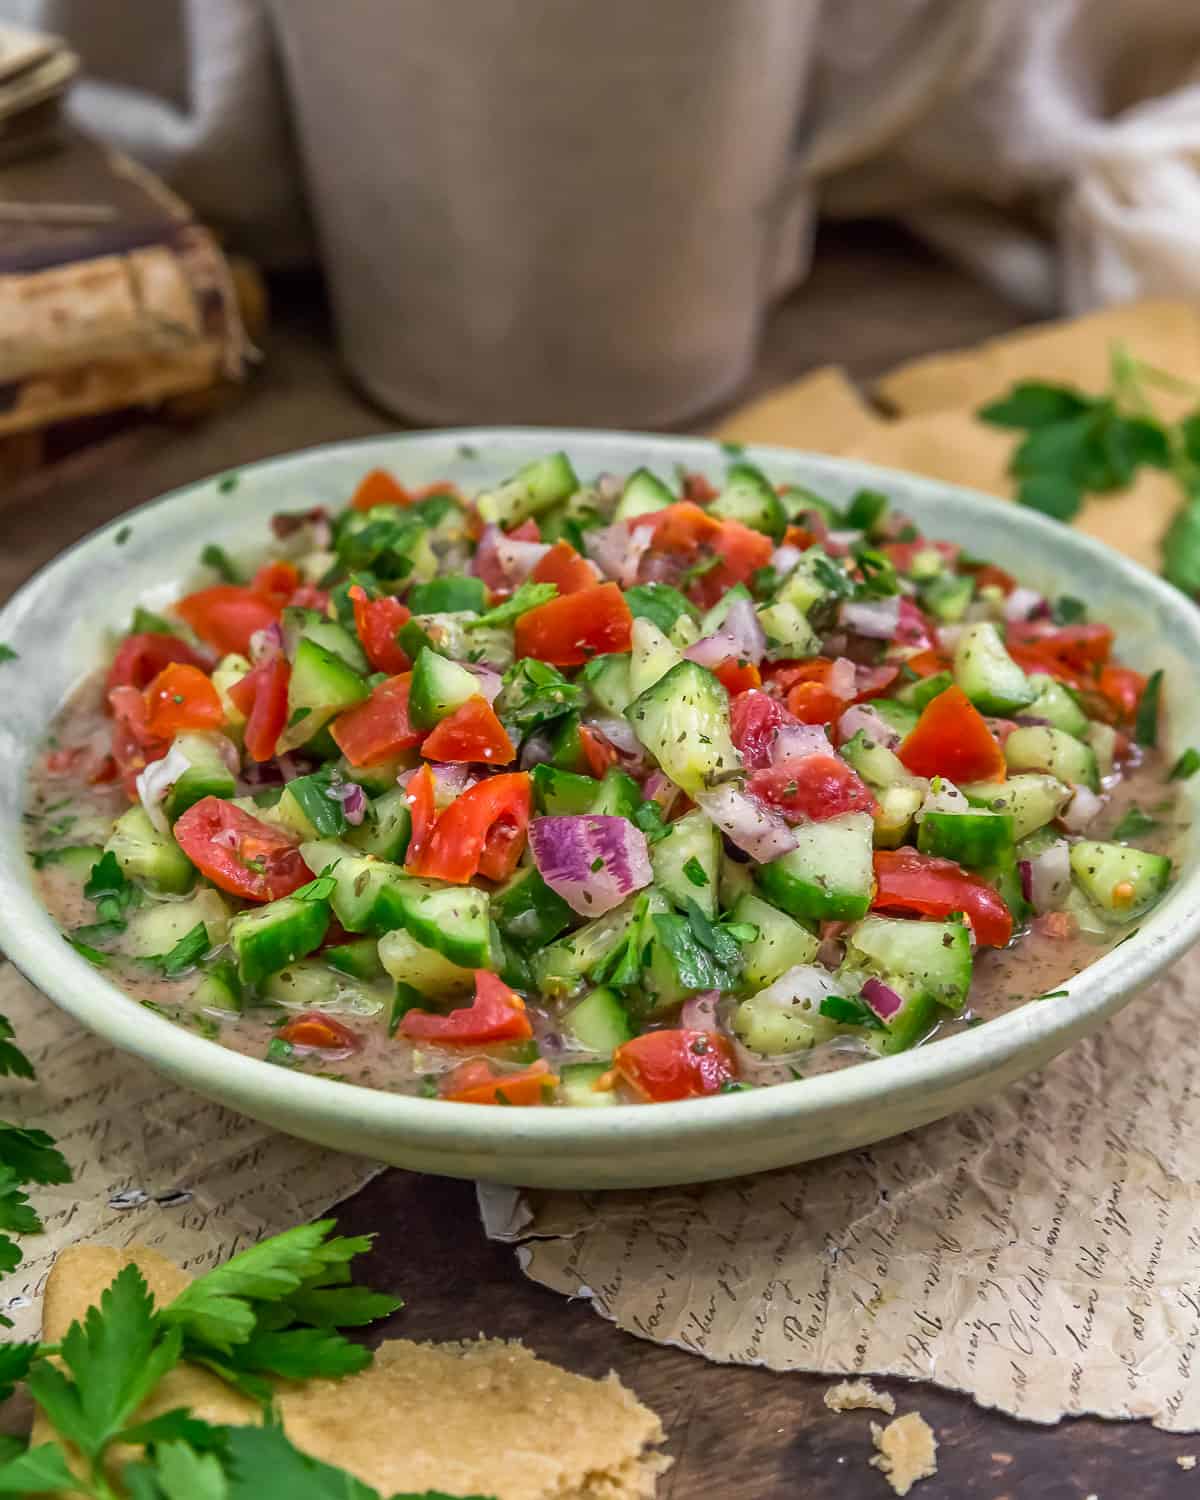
877, 618
1025, 869
591, 860
883, 1000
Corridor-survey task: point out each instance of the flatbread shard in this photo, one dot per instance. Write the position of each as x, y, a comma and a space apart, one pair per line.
485, 1417
907, 1451
859, 1395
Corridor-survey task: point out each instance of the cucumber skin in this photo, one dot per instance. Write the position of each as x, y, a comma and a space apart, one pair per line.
1100, 869
271, 937
973, 840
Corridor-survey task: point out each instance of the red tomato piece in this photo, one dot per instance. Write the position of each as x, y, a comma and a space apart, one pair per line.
563, 566
908, 881
573, 628
1122, 689
683, 1064
952, 739
471, 733
742, 552
276, 582
378, 487
874, 682
376, 621
497, 1014
737, 676
682, 527
241, 854
477, 1082
1077, 648
698, 489
316, 1030
262, 696
527, 531
379, 728
990, 576
813, 703
455, 847
182, 697
927, 663
133, 746
598, 752
812, 788
421, 796
502, 849
799, 536
140, 658
754, 718
227, 615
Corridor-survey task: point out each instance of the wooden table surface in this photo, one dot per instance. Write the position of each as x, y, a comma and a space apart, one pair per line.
741, 1434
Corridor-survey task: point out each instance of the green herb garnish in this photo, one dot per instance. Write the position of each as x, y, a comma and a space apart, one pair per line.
1133, 824
221, 563
1187, 765
528, 596
1145, 725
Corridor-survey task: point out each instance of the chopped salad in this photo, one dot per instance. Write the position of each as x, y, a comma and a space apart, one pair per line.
586, 792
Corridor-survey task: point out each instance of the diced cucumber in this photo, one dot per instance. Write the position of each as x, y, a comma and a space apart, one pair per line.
898, 806
919, 1013
878, 766
651, 657
228, 671
219, 988
896, 715
664, 985
579, 1086
607, 679
444, 632
619, 795
367, 892
306, 807
311, 985
829, 875
749, 497
687, 863
926, 564
1031, 799
1036, 748
510, 962
75, 859
788, 632
987, 674
453, 919
974, 839
439, 687
598, 1023
430, 973
386, 828
786, 1017
1055, 704
321, 685
562, 968
151, 858
377, 778
735, 880
917, 694
155, 929
270, 937
328, 634
781, 944
444, 595
683, 720
947, 596
934, 956
207, 775
359, 958
528, 912
1123, 882
1005, 876
712, 619
1103, 740
644, 492
798, 501
1092, 922
809, 582
558, 791
566, 745
532, 489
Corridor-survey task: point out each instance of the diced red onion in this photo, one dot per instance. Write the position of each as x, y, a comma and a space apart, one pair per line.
536, 751
658, 787
266, 644
291, 766
946, 799
877, 619
843, 678
882, 999
699, 1012
1022, 604
609, 487
618, 550
863, 716
802, 983
949, 636
796, 741
156, 781
618, 732
1025, 871
450, 780
489, 679
1081, 810
353, 800
838, 543
785, 558
740, 636
518, 559
912, 628
1049, 877
759, 831
592, 861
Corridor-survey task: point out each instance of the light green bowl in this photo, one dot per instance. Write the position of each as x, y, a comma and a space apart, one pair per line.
57, 625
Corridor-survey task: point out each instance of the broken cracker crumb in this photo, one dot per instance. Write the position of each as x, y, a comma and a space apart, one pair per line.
907, 1451
859, 1395
1186, 1460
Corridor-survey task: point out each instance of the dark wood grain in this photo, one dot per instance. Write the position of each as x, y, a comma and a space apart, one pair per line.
737, 1433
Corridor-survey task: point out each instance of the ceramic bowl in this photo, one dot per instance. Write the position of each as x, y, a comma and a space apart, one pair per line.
57, 623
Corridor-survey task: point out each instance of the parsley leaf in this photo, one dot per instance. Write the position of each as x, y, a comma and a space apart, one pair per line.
32, 1155
13, 1062
648, 816
659, 603
1187, 765
1133, 824
38, 1471
1054, 495
533, 694
15, 1360
112, 892
321, 888
528, 596
221, 563
1068, 611
188, 951
695, 872
1036, 403
1145, 725
849, 1010
6, 652
146, 620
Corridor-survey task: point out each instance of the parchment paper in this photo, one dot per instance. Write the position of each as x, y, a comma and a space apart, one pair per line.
154, 1163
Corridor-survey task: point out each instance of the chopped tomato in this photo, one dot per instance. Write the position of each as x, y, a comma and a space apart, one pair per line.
133, 746
563, 566
470, 733
309, 596
696, 536
378, 488
952, 739
927, 663
140, 658
990, 576
799, 536
239, 853
316, 1030
421, 796
682, 527
497, 1014
276, 582
573, 628
737, 676
810, 698
908, 881
376, 622
379, 728
1075, 648
179, 698
873, 682
502, 848
262, 695
1122, 689
912, 628
454, 849
476, 1082
812, 788
597, 751
683, 1064
227, 615
754, 718
742, 552
698, 489
1030, 659
527, 531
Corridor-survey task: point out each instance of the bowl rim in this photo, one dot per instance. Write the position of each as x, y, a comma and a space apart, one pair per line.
82, 990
